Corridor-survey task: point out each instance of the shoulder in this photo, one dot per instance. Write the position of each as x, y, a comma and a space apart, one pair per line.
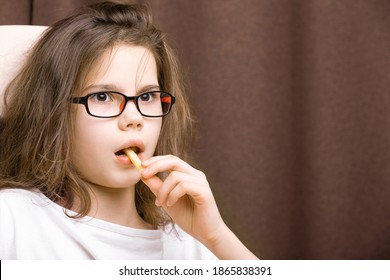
16, 203
20, 203
9, 197
16, 211
180, 245
26, 216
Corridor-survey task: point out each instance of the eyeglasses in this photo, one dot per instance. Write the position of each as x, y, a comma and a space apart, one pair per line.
109, 104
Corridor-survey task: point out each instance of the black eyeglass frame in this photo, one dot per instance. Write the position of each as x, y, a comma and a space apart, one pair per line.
84, 101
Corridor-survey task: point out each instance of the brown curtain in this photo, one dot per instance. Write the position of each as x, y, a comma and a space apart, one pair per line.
293, 107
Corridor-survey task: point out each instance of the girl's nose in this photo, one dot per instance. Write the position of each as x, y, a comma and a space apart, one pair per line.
131, 117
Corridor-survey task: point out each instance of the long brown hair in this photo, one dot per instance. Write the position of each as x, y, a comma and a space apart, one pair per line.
37, 124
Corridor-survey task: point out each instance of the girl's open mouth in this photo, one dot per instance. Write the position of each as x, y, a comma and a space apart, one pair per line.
121, 153
123, 158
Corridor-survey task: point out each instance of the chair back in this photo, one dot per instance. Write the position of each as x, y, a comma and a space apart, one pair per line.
16, 41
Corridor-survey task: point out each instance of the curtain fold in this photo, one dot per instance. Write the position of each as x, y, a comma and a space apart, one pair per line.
292, 106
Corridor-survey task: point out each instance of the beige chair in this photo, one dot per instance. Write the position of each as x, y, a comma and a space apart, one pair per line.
16, 41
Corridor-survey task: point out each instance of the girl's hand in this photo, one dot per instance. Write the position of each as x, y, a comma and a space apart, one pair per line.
186, 196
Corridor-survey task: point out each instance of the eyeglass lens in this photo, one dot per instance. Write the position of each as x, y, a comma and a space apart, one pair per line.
153, 104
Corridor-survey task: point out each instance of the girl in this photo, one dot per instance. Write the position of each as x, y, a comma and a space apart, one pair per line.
97, 83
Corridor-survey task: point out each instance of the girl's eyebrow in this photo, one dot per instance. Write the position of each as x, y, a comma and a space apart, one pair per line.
112, 87
102, 87
148, 88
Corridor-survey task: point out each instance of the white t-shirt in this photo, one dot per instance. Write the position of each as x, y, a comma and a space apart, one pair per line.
34, 227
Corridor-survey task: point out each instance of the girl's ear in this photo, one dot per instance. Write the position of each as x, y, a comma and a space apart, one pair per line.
16, 41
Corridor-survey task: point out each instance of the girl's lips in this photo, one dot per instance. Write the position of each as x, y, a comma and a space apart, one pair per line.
136, 143
124, 159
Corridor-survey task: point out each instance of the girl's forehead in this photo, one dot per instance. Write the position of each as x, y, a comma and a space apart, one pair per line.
126, 67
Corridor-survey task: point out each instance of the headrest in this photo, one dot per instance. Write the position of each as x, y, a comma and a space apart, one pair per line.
16, 41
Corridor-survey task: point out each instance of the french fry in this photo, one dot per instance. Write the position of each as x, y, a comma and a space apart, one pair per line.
134, 158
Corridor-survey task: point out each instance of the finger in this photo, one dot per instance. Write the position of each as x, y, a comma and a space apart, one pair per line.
172, 182
167, 163
154, 183
178, 192
148, 161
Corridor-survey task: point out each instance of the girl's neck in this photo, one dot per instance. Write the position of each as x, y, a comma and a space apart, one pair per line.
116, 206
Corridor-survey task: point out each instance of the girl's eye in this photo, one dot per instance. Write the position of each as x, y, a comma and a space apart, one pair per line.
145, 97
101, 97
148, 97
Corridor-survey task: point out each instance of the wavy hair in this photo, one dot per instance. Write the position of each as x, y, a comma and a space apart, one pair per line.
37, 124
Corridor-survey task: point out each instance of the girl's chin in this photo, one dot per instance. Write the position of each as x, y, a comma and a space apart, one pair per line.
120, 180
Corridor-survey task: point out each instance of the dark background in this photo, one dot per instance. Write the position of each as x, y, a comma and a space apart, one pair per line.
292, 102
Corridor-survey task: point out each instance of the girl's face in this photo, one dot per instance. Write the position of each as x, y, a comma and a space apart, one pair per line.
98, 143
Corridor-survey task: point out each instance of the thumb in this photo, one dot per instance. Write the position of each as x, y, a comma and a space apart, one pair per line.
154, 183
